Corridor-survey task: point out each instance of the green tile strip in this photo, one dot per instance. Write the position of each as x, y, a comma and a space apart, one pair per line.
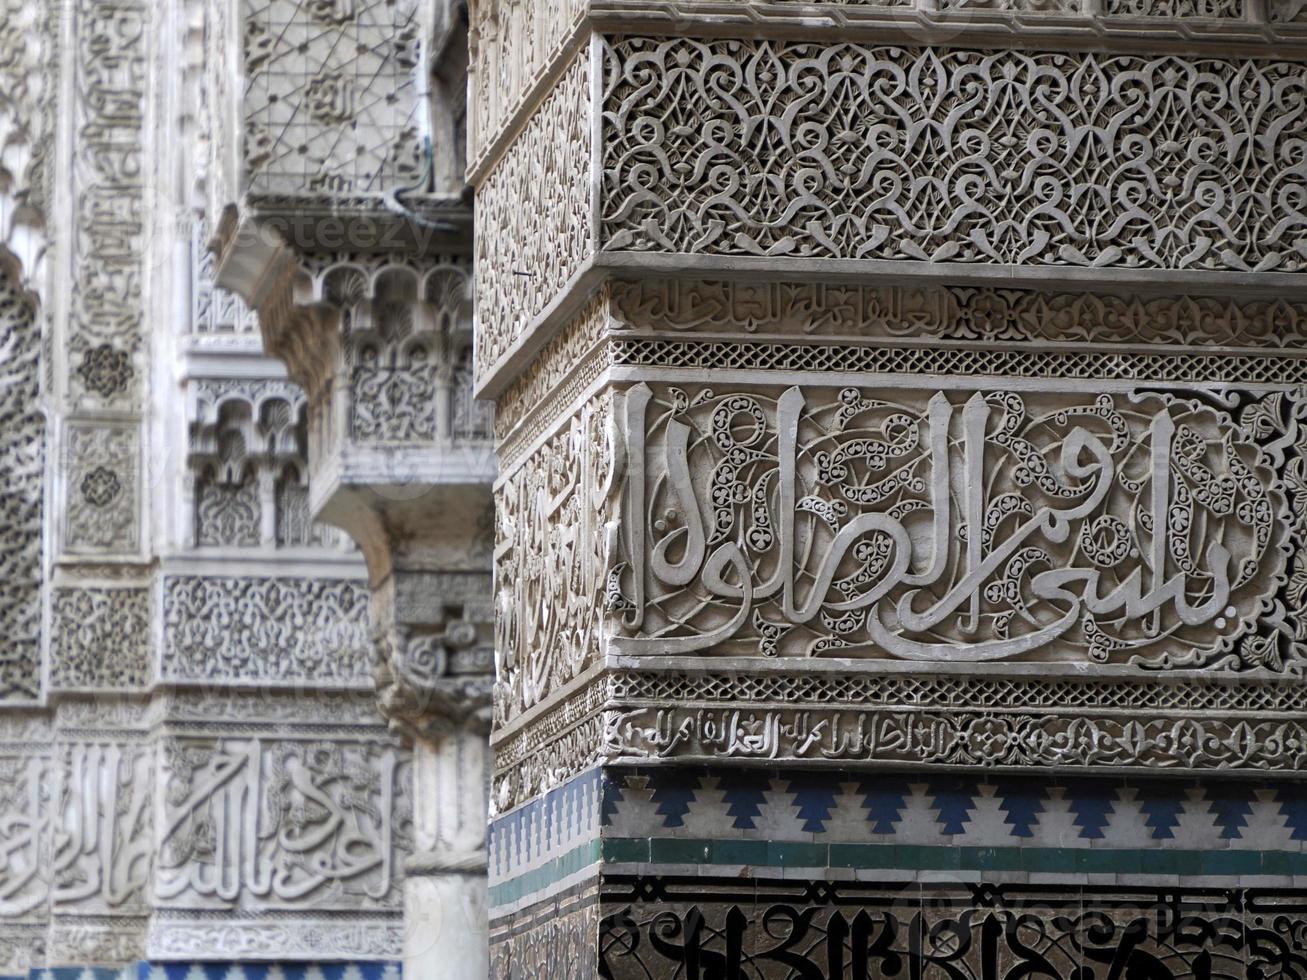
924, 857
900, 857
537, 879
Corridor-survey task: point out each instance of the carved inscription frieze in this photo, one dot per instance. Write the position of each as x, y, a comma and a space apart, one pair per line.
107, 247
103, 844
290, 823
1146, 529
970, 313
798, 149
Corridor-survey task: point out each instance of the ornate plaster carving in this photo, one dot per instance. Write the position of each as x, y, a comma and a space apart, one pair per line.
1162, 519
974, 314
101, 638
512, 45
248, 466
331, 103
846, 151
301, 630
214, 310
552, 553
534, 215
106, 318
22, 469
27, 81
291, 824
102, 461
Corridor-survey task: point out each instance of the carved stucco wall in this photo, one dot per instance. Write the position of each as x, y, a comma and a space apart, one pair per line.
196, 769
22, 495
899, 520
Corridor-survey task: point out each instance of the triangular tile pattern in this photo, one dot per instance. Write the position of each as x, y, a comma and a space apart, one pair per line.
1022, 801
1093, 803
884, 798
745, 794
1231, 806
953, 801
1161, 804
379, 970
673, 790
814, 798
1293, 807
891, 807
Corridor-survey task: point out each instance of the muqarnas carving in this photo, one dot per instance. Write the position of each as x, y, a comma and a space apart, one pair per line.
22, 458
409, 351
966, 526
798, 149
250, 477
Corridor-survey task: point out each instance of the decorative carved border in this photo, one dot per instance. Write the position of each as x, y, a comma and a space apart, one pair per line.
731, 712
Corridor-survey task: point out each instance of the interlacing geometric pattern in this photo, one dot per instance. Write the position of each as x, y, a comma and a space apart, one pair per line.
22, 459
733, 147
331, 103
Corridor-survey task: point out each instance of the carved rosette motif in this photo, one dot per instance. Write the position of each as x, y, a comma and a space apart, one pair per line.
102, 463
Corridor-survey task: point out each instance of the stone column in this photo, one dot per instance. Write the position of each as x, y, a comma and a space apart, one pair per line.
899, 419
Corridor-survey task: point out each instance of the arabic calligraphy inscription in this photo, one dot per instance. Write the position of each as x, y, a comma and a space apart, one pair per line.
945, 526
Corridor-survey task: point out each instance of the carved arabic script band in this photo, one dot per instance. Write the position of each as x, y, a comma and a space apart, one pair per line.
1144, 528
